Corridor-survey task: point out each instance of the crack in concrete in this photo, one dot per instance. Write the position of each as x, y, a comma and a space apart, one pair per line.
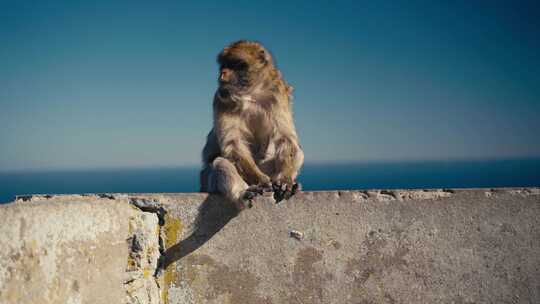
143, 257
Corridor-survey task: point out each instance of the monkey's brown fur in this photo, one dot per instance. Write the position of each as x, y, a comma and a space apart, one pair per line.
253, 145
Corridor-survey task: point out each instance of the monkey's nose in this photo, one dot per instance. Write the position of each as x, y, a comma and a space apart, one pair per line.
224, 76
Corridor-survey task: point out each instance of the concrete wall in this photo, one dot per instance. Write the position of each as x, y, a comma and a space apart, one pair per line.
395, 246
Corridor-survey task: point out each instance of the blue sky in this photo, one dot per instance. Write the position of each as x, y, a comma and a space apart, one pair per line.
96, 84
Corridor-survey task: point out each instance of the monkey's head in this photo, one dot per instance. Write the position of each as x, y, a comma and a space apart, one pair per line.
242, 66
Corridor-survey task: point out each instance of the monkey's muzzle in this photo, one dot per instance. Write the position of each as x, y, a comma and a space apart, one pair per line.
224, 93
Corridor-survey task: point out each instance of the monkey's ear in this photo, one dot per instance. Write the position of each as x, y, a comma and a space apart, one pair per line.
264, 56
290, 89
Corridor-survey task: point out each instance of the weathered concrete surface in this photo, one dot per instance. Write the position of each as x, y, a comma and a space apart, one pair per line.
398, 246
465, 246
74, 249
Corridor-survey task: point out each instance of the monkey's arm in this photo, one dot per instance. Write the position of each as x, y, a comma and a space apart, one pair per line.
234, 148
289, 154
209, 153
211, 148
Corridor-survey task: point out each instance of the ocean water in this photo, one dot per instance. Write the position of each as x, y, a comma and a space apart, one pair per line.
372, 175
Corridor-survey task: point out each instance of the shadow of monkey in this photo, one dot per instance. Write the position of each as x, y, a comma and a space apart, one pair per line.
214, 213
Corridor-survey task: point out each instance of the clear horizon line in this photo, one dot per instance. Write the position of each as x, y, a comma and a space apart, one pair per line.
307, 163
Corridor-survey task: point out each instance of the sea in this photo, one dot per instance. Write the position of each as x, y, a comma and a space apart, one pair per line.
314, 176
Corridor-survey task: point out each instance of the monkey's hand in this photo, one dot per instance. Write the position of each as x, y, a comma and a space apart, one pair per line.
250, 172
284, 190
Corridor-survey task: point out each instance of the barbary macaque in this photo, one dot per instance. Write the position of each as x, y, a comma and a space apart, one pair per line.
253, 146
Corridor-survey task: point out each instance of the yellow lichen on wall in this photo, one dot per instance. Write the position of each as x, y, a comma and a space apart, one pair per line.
171, 230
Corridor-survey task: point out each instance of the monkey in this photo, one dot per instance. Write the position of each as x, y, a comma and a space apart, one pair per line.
253, 146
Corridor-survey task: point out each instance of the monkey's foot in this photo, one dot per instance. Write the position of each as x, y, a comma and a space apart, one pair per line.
252, 192
285, 191
260, 189
247, 200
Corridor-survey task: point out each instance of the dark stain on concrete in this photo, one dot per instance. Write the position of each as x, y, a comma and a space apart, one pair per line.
389, 299
240, 285
508, 229
307, 281
374, 260
461, 300
75, 286
337, 245
22, 229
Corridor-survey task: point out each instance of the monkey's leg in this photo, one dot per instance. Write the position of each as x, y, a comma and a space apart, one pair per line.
225, 179
241, 156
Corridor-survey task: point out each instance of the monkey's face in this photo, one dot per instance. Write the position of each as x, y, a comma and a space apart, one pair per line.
242, 66
234, 77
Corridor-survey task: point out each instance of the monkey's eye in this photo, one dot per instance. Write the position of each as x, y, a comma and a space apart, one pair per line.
237, 65
240, 65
